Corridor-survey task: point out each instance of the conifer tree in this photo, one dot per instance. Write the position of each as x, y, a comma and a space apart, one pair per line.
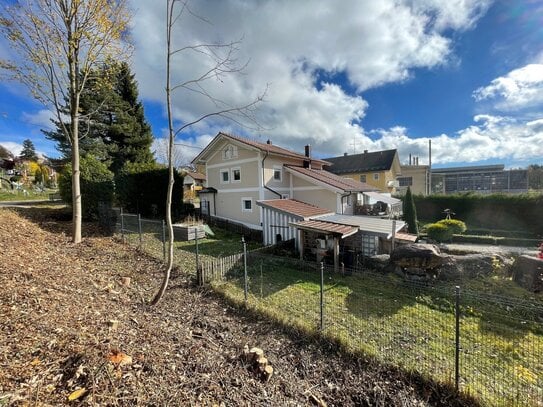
410, 213
113, 122
29, 151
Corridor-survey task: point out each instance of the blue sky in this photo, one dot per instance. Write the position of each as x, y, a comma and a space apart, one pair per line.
361, 76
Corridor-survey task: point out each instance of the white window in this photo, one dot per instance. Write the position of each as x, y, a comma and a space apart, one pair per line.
236, 174
405, 181
246, 204
375, 176
229, 152
363, 178
225, 176
277, 173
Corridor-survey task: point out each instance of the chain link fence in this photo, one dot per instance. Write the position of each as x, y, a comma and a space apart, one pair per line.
486, 345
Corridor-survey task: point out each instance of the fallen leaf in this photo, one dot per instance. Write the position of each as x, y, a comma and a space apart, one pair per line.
35, 362
120, 358
76, 394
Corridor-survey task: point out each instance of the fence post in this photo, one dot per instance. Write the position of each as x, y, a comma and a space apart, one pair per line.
163, 241
122, 225
322, 296
139, 229
457, 339
197, 262
245, 290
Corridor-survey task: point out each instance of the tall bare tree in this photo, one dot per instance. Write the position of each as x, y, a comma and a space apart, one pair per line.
58, 43
161, 152
220, 62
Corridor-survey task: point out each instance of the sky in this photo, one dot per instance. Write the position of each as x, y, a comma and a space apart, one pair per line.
342, 76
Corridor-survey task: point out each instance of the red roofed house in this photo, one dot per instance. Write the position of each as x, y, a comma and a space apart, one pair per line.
269, 188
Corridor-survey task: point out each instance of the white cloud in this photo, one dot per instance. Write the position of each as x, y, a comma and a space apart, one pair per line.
40, 118
519, 89
490, 138
14, 148
287, 44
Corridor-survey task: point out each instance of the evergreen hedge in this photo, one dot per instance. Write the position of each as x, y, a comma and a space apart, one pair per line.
523, 212
142, 188
96, 183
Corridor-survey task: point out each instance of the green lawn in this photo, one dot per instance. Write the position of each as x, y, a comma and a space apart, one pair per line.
412, 327
18, 195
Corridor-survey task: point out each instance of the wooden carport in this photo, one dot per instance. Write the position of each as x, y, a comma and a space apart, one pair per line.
334, 231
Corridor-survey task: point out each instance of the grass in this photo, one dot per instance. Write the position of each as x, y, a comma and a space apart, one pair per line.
18, 195
409, 326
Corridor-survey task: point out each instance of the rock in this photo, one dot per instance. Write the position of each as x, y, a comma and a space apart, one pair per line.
113, 324
424, 256
379, 262
125, 281
472, 266
528, 273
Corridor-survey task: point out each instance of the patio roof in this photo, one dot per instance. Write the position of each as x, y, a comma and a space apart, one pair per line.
294, 207
326, 228
384, 198
370, 225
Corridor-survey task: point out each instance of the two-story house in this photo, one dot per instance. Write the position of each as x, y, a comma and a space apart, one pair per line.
240, 172
289, 195
379, 169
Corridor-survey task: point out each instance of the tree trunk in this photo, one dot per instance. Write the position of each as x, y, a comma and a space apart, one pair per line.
169, 265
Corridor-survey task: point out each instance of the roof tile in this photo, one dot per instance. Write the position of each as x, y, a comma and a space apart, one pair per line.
295, 207
345, 184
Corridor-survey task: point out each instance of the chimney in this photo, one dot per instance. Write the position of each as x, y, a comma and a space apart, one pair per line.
344, 154
268, 142
365, 151
307, 163
409, 159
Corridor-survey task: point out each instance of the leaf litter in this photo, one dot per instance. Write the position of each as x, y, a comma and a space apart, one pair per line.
76, 330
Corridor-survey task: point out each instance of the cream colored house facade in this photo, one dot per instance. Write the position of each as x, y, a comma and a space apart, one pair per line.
240, 172
417, 177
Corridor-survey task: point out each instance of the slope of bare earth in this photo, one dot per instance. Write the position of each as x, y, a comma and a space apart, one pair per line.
72, 326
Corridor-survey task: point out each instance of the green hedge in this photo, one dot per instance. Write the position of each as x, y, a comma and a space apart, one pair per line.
142, 188
96, 183
521, 212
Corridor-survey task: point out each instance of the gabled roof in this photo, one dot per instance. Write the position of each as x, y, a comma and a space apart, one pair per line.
330, 180
365, 162
196, 176
264, 147
294, 207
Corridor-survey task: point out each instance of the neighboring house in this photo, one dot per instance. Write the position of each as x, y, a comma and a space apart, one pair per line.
415, 176
481, 178
379, 169
192, 183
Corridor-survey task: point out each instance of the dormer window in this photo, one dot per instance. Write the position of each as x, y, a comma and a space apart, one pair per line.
229, 152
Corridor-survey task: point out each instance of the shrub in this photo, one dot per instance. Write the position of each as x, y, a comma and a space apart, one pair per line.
96, 185
456, 226
439, 232
142, 188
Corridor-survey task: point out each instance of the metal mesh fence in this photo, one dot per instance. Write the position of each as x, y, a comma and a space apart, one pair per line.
489, 346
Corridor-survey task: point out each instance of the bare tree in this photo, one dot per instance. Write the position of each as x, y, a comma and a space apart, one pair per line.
161, 152
58, 44
222, 63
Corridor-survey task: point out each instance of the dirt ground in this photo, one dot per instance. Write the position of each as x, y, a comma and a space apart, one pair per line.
75, 324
